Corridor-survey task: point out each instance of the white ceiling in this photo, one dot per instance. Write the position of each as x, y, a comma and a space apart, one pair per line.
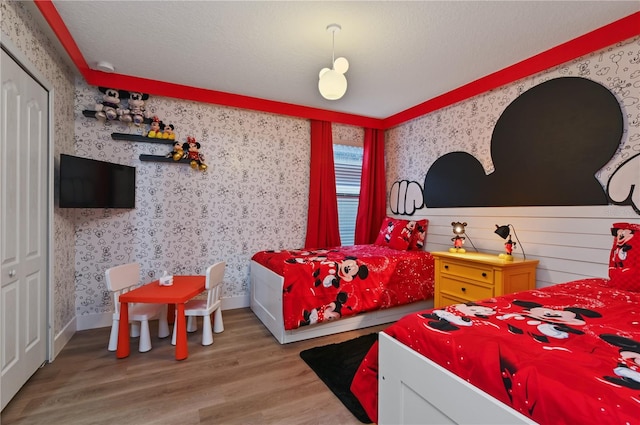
401, 53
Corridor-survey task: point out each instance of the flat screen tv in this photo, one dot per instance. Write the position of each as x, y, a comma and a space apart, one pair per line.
88, 183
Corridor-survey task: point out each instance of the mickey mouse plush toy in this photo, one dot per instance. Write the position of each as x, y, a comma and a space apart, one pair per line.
177, 153
137, 112
110, 108
168, 133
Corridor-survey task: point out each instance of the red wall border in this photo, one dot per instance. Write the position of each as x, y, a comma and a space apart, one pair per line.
607, 35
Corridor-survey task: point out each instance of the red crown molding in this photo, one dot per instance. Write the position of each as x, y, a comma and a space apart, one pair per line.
159, 88
600, 38
51, 15
607, 35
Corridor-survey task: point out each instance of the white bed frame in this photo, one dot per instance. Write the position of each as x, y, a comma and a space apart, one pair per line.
414, 390
266, 303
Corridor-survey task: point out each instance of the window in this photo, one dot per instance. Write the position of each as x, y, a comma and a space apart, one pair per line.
348, 164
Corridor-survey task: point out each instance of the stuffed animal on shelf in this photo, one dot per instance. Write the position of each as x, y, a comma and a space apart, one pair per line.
177, 153
196, 159
137, 112
155, 128
168, 133
109, 108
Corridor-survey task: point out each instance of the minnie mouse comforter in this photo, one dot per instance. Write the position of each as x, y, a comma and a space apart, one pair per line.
327, 284
565, 354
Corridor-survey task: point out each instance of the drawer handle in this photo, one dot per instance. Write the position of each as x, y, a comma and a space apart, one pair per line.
484, 275
463, 289
446, 266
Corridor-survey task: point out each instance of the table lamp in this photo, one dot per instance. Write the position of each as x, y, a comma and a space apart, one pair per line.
504, 232
458, 240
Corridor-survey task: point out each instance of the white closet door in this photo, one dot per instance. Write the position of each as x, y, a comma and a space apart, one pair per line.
23, 226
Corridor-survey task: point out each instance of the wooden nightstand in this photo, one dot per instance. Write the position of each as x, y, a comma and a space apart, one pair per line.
472, 276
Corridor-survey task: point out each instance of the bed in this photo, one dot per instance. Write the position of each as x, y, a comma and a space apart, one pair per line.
306, 293
302, 294
569, 353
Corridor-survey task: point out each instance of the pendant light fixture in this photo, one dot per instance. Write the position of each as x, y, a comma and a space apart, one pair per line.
333, 84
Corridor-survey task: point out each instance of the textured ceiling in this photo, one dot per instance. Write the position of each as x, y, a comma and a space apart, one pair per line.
401, 53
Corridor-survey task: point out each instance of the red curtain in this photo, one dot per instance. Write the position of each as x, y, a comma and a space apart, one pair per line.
372, 205
322, 219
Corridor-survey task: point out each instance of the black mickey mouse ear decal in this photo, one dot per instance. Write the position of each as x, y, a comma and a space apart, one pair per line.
546, 148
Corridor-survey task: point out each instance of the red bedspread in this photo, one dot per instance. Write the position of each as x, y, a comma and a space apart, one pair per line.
565, 354
327, 284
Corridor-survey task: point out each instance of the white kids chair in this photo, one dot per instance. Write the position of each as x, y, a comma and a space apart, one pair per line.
204, 308
122, 279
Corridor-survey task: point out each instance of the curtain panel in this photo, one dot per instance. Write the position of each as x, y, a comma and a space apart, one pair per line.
372, 202
322, 218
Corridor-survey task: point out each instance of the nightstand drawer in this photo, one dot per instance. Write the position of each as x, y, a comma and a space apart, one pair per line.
446, 299
464, 290
479, 273
470, 276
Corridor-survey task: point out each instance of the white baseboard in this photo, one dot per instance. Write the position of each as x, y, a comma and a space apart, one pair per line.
62, 338
94, 321
232, 303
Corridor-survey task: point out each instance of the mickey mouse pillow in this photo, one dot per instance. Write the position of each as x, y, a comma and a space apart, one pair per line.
395, 233
624, 261
419, 235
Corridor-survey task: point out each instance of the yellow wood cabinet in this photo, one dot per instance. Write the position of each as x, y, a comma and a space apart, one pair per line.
471, 276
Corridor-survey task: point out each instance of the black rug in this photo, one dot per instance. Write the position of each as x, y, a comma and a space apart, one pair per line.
336, 364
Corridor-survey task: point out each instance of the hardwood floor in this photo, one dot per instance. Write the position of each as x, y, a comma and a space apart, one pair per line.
245, 377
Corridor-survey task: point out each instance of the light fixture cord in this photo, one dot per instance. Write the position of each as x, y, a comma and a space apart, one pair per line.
333, 49
474, 247
516, 235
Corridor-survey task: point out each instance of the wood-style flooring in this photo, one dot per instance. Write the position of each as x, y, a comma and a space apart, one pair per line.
244, 377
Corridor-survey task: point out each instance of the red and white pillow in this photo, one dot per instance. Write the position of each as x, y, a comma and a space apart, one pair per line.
402, 234
419, 235
624, 261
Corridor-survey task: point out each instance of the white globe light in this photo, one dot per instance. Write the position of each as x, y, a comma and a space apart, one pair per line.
341, 65
322, 71
332, 85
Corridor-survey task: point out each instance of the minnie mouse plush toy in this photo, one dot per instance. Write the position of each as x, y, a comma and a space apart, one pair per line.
196, 159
